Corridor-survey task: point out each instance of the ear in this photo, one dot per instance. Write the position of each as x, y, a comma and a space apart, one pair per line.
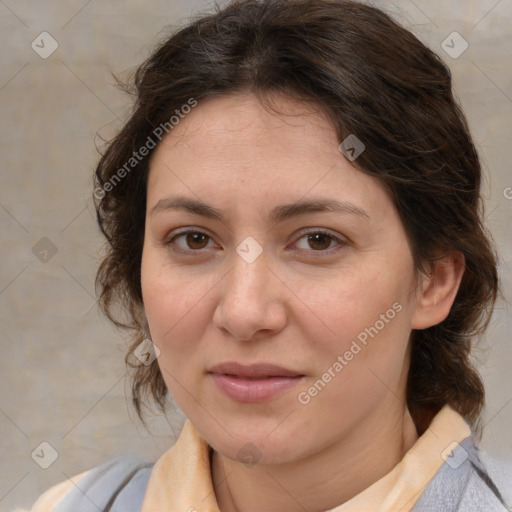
437, 290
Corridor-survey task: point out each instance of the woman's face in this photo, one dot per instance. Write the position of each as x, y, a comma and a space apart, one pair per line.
265, 246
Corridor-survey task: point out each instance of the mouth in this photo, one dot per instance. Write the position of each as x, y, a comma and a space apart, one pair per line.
253, 371
253, 383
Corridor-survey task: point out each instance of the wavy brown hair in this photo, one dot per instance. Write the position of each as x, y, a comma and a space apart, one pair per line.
374, 79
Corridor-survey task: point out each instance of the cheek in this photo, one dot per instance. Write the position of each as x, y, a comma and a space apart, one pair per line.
176, 310
166, 297
364, 354
356, 305
179, 307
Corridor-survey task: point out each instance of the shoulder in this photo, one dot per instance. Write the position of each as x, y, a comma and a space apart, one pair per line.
471, 480
500, 472
52, 496
117, 485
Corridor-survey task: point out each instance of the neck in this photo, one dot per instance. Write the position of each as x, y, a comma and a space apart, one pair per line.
323, 480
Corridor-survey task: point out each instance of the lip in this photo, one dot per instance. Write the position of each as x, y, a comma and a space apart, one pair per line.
253, 383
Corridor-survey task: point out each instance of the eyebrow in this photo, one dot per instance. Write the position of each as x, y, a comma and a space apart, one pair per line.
278, 214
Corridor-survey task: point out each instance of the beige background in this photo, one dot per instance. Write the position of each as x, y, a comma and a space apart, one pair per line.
61, 364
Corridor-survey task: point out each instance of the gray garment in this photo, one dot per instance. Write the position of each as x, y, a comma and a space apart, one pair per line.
462, 484
117, 486
465, 484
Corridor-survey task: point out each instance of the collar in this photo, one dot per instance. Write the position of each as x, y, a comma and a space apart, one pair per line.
181, 478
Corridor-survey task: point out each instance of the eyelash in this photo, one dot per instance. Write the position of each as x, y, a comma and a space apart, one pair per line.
317, 253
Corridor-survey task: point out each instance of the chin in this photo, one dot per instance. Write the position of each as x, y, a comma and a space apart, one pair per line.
255, 440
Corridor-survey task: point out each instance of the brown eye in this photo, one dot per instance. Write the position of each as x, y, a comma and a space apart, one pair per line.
197, 240
190, 241
319, 241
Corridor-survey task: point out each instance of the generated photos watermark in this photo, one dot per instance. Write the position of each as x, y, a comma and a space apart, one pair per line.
137, 156
352, 147
146, 352
361, 341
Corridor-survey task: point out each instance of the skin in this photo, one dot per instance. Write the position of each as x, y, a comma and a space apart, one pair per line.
299, 305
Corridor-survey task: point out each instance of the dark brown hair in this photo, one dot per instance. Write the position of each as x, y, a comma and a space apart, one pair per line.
374, 79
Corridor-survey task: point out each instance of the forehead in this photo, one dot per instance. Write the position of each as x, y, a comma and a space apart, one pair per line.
244, 118
233, 144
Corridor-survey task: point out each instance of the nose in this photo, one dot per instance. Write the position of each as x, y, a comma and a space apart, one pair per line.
251, 301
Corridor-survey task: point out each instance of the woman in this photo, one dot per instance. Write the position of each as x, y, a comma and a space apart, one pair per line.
293, 215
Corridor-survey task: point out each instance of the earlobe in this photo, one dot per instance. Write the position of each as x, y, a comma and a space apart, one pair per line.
438, 290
